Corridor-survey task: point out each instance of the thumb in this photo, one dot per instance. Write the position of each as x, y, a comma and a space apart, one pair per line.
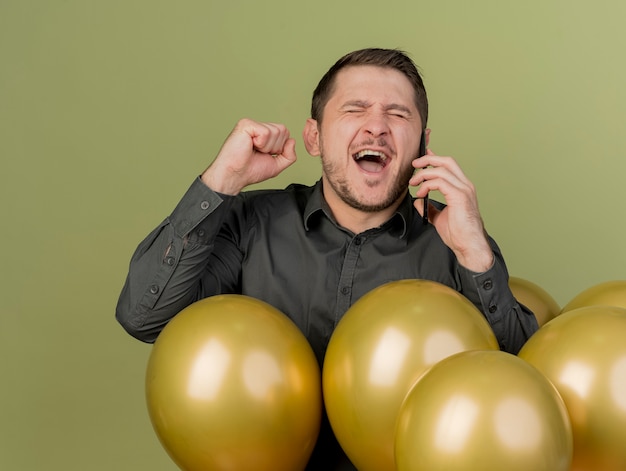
288, 155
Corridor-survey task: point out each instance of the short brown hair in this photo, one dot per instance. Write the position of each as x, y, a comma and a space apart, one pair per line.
389, 58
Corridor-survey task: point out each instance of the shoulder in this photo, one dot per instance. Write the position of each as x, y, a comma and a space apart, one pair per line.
294, 191
293, 198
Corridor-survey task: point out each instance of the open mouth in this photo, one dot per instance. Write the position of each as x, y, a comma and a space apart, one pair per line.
371, 160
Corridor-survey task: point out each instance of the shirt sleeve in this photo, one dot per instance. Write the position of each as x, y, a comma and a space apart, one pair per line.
167, 271
511, 322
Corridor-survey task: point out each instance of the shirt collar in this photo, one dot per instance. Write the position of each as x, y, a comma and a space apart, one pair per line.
315, 207
397, 225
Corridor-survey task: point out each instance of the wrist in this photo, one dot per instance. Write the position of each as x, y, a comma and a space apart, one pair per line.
478, 260
220, 184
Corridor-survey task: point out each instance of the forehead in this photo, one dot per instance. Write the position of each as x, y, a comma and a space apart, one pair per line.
373, 84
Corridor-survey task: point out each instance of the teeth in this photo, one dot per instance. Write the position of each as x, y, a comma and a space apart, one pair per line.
363, 153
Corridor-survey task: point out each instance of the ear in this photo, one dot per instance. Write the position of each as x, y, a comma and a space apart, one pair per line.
311, 136
427, 136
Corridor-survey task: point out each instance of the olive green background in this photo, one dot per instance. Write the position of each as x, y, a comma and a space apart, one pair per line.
109, 109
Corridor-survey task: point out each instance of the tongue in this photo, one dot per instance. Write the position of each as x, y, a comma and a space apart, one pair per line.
370, 166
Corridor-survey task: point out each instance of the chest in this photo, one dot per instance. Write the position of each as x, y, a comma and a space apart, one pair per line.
300, 271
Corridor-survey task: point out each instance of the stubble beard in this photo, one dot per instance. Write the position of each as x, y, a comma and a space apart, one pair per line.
341, 186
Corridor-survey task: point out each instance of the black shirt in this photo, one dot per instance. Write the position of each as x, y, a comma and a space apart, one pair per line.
285, 248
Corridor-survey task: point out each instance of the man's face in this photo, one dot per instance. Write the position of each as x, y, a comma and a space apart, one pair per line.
369, 135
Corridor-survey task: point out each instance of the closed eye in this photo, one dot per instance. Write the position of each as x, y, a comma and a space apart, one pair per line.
398, 111
399, 115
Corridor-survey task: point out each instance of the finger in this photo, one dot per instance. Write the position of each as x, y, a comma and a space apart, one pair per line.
423, 161
436, 179
440, 167
288, 155
270, 138
279, 134
453, 167
432, 160
430, 173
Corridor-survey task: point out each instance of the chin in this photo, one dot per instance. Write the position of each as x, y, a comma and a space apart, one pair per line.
371, 204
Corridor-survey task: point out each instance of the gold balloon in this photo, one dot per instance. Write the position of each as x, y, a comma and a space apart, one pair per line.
583, 353
483, 410
232, 384
534, 297
381, 346
608, 293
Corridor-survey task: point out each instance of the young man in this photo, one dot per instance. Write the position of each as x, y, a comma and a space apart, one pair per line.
313, 251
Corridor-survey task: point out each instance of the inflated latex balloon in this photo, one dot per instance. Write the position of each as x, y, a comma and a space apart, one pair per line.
583, 353
483, 410
609, 293
232, 384
381, 346
534, 297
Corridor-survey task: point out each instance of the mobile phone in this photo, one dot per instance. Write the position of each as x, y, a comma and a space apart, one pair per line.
422, 151
423, 144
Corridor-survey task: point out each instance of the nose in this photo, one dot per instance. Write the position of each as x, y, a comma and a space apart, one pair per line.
376, 125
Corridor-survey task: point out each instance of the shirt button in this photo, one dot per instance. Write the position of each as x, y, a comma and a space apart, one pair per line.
493, 308
345, 290
201, 232
488, 284
357, 240
205, 205
169, 261
154, 289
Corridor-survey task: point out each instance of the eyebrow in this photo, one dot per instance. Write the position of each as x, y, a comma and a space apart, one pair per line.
398, 107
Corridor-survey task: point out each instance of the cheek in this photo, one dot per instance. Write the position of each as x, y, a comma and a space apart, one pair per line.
337, 139
410, 144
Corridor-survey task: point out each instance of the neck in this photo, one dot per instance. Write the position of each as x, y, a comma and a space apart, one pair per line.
354, 219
